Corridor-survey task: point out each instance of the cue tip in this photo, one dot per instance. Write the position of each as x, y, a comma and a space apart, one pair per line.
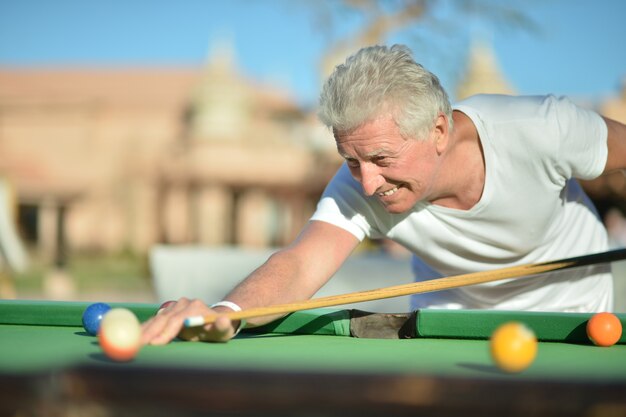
194, 321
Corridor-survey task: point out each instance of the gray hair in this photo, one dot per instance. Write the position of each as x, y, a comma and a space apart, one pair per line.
380, 80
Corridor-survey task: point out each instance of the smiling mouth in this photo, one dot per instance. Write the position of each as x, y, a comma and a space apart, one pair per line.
388, 192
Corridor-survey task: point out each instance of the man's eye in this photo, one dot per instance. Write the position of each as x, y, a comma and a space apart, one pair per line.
381, 160
352, 163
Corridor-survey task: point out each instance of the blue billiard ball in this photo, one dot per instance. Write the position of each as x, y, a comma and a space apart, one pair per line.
92, 316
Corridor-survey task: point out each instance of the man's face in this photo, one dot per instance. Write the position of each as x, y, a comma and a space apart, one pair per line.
398, 171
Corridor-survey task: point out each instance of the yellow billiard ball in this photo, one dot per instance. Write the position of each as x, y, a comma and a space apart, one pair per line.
513, 347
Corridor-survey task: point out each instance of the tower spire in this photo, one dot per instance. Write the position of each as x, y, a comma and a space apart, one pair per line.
483, 73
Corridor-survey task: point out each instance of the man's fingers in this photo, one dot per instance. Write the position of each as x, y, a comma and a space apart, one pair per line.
223, 329
219, 331
168, 324
164, 327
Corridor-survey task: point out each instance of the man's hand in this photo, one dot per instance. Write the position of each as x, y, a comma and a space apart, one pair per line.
168, 324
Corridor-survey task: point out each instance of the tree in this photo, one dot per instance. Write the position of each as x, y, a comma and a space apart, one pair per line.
437, 28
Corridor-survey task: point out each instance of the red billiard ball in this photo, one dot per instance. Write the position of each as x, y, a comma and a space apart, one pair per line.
604, 329
92, 317
120, 334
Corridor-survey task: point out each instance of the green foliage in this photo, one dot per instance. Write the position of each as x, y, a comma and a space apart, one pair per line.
91, 273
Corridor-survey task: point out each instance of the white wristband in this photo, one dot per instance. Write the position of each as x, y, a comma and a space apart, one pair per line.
234, 307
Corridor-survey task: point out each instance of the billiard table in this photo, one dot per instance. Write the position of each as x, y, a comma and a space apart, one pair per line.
312, 363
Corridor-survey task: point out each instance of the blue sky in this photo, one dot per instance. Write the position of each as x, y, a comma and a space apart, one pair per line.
578, 51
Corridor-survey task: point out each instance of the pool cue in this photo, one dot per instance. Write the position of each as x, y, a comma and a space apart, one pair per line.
420, 287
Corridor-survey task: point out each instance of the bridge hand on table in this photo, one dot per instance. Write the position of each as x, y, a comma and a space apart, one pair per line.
168, 324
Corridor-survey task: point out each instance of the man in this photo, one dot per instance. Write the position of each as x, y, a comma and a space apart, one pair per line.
485, 185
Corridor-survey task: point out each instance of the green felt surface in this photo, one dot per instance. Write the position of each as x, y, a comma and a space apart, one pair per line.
477, 324
456, 324
54, 313
32, 347
26, 349
327, 322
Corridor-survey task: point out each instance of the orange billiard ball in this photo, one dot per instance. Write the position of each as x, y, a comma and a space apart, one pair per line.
604, 329
120, 334
513, 347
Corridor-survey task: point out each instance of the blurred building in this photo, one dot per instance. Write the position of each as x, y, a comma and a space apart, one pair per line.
482, 73
112, 159
615, 107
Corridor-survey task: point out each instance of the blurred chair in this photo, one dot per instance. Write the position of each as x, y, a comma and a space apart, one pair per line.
209, 273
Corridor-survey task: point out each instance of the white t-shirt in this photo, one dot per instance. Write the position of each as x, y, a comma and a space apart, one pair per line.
530, 211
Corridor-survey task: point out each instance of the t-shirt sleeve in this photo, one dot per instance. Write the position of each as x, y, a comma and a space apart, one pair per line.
583, 134
344, 205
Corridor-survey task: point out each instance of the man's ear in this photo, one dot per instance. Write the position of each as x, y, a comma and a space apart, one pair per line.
441, 133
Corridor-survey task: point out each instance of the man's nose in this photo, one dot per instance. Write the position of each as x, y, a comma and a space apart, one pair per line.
371, 178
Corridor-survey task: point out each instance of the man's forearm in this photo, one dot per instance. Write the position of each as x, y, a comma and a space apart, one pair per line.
283, 278
296, 272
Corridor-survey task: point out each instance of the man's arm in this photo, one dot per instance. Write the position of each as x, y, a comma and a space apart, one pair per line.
292, 274
616, 142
